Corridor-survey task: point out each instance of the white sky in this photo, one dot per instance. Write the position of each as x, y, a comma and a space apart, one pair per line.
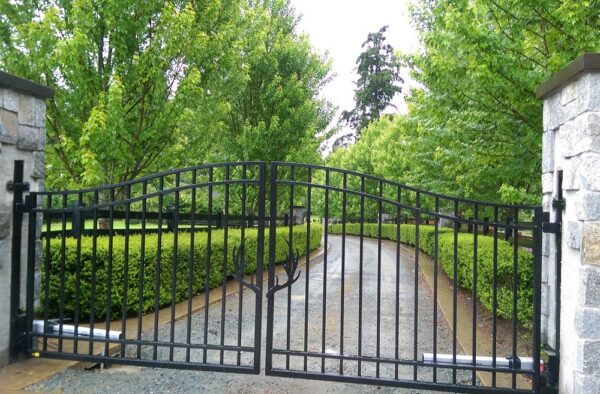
340, 27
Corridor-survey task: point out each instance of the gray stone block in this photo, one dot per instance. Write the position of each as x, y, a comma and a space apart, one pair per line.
587, 323
40, 113
591, 243
5, 219
548, 151
27, 110
583, 136
39, 166
586, 384
552, 114
42, 138
28, 138
573, 234
8, 122
590, 357
590, 171
588, 205
589, 92
571, 173
547, 182
5, 136
590, 286
11, 100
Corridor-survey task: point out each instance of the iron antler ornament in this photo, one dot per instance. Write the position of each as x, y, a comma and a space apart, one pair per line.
239, 263
289, 265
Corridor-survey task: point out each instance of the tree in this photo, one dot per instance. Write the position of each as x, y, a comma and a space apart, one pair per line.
379, 76
144, 86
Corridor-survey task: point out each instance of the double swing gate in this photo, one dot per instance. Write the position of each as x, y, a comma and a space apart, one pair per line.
367, 280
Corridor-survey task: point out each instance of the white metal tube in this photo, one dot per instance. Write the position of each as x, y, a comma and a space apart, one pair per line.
480, 361
69, 329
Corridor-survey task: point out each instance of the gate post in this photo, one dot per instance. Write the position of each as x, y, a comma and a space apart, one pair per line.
571, 170
22, 141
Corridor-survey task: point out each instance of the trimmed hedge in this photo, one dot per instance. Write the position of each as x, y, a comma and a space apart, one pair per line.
132, 271
464, 264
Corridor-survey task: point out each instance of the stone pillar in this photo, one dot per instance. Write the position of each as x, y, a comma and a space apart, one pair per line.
571, 144
22, 137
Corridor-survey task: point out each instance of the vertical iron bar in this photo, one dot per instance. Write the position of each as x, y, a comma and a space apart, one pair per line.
324, 312
61, 307
15, 279
343, 273
242, 257
225, 225
291, 256
259, 265
379, 230
306, 284
126, 267
175, 229
397, 309
47, 258
272, 245
495, 296
142, 269
537, 299
208, 262
31, 204
191, 267
94, 268
78, 234
360, 270
474, 294
416, 295
436, 223
454, 289
515, 292
161, 184
111, 226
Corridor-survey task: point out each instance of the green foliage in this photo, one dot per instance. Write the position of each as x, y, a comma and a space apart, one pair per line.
379, 73
474, 123
145, 86
152, 274
464, 263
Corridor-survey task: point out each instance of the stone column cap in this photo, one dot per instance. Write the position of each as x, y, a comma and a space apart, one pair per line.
584, 63
24, 85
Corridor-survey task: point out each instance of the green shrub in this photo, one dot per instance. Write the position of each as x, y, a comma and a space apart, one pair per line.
464, 263
137, 274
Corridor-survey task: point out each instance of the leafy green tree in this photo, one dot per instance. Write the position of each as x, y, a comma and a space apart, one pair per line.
144, 86
378, 82
476, 122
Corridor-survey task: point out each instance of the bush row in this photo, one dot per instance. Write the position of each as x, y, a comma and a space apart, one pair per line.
464, 263
132, 276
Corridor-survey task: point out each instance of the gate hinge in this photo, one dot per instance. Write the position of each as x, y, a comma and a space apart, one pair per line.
12, 186
552, 228
558, 203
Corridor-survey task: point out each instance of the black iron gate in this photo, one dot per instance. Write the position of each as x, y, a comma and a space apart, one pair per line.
408, 288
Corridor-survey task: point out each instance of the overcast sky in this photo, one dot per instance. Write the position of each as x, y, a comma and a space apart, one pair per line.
339, 27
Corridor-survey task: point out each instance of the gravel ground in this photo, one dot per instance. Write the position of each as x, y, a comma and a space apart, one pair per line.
342, 294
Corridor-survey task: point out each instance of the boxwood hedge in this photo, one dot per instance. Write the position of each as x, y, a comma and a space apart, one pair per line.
129, 280
464, 263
